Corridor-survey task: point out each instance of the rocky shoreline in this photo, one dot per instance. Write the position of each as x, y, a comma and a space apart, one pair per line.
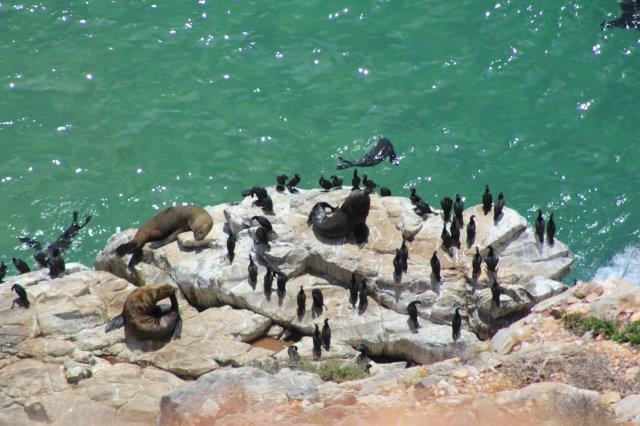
520, 361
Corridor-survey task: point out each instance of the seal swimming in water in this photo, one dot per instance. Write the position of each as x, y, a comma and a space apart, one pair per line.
325, 184
435, 266
164, 228
22, 295
61, 244
630, 17
326, 335
252, 270
412, 309
540, 227
144, 319
21, 265
471, 231
551, 230
383, 149
456, 325
350, 217
487, 200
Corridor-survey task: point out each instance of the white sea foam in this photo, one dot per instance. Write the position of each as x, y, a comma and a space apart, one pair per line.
624, 264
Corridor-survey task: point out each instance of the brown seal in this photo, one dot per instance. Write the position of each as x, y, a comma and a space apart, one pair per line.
164, 228
351, 216
145, 320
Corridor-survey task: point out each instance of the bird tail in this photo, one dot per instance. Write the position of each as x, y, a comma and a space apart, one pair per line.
26, 303
126, 248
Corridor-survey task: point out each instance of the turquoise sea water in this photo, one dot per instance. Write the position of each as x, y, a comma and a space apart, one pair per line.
119, 108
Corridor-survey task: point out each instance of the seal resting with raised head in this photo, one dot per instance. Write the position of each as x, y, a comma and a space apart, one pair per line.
351, 216
144, 319
164, 228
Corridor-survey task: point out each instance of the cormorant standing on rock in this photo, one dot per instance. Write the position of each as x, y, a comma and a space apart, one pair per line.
281, 182
551, 230
336, 182
495, 293
293, 353
455, 233
253, 273
540, 227
487, 200
291, 185
435, 266
355, 182
302, 302
282, 284
368, 183
231, 246
318, 299
422, 208
456, 324
413, 197
261, 236
325, 184
21, 266
492, 261
3, 270
458, 210
476, 265
497, 209
446, 239
412, 309
397, 264
263, 222
362, 294
405, 255
22, 294
326, 335
353, 291
317, 342
55, 263
471, 231
447, 204
385, 192
268, 280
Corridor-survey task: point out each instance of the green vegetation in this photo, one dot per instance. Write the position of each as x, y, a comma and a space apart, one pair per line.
580, 324
334, 371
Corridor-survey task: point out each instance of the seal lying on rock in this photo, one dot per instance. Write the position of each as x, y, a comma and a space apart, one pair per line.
350, 217
383, 149
145, 320
164, 228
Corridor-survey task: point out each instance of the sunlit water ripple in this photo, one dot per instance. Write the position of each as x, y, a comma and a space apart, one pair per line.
120, 108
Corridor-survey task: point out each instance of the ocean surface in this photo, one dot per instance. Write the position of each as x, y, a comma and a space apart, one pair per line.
120, 108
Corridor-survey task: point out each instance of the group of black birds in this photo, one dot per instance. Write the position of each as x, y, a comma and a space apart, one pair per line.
47, 257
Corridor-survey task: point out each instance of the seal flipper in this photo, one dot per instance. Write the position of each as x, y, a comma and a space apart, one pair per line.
361, 232
171, 238
126, 248
136, 257
115, 323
